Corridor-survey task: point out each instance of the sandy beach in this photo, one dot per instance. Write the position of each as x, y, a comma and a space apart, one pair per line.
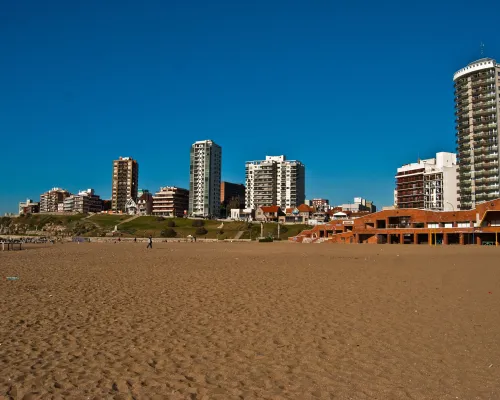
250, 321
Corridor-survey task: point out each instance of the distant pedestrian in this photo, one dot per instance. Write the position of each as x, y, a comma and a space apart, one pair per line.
150, 244
135, 240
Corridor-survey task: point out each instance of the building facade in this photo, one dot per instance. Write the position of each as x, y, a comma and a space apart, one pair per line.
53, 200
232, 191
274, 181
428, 184
125, 182
29, 207
86, 201
205, 179
320, 204
171, 201
477, 106
359, 205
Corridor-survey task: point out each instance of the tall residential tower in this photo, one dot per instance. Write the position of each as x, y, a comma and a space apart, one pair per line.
275, 181
204, 179
125, 182
476, 110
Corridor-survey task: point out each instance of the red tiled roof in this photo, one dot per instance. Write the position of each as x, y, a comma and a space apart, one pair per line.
289, 210
305, 208
270, 209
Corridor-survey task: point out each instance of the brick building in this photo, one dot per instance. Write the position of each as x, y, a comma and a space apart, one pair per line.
413, 226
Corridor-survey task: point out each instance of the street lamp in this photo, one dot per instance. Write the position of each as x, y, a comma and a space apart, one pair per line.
452, 207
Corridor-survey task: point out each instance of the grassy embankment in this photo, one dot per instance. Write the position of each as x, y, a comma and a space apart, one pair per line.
145, 226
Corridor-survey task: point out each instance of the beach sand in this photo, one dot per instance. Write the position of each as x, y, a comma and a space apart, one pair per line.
250, 321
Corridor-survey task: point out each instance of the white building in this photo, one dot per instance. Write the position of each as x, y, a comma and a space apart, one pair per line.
274, 181
86, 201
359, 205
429, 184
204, 179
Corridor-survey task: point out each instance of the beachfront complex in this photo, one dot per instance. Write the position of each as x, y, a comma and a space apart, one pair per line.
274, 181
428, 184
204, 179
476, 110
125, 182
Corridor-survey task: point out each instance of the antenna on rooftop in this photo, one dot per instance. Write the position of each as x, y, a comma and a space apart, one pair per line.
481, 46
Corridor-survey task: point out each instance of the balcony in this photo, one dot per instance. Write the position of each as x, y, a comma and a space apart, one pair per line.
485, 111
484, 104
482, 82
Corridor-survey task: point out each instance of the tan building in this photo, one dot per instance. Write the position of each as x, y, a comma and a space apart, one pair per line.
171, 201
50, 200
29, 207
125, 182
477, 106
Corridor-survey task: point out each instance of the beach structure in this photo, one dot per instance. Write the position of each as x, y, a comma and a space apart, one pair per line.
480, 225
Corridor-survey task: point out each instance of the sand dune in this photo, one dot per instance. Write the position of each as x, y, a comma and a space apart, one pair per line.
250, 321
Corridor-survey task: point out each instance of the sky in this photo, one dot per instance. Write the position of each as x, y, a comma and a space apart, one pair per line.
352, 89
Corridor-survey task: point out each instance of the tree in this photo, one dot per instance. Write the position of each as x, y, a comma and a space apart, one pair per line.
168, 233
201, 231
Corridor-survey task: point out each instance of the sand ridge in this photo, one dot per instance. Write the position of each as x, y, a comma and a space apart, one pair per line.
250, 321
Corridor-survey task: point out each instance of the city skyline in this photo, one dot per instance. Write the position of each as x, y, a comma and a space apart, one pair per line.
257, 80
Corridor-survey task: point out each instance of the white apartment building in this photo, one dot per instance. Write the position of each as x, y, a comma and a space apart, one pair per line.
86, 201
477, 106
428, 184
204, 179
274, 181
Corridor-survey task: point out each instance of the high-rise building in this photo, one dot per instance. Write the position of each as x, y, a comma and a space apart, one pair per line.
125, 182
429, 184
275, 181
477, 106
53, 200
171, 201
204, 179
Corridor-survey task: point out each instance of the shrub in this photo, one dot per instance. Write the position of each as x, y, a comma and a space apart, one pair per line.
201, 231
198, 223
171, 224
168, 233
266, 240
159, 219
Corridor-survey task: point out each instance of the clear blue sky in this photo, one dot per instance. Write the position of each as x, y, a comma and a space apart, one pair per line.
353, 89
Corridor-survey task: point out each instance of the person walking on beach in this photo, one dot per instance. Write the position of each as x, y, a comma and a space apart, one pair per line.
150, 244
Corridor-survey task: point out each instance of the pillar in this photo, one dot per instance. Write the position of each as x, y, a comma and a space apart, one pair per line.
429, 238
401, 238
388, 239
445, 238
461, 238
479, 241
415, 238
